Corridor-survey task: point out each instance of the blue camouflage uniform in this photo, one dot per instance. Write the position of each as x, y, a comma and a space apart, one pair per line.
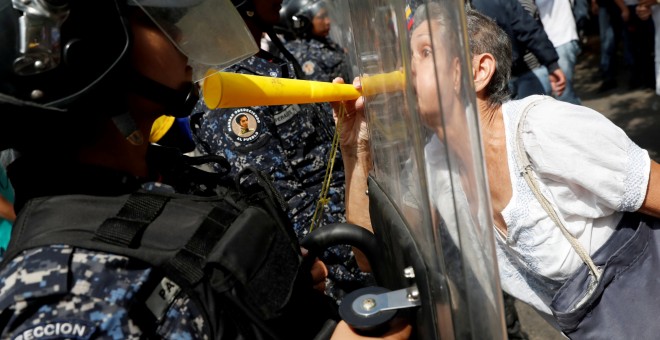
64, 292
292, 144
59, 291
321, 59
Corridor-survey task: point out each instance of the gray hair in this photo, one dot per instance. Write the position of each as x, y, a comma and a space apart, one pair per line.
485, 36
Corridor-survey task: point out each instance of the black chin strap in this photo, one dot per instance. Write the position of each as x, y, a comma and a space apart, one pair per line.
180, 103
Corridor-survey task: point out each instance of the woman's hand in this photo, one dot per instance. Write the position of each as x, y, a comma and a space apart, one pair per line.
353, 128
355, 152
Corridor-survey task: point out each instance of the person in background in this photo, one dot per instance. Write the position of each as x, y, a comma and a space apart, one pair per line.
559, 24
525, 34
611, 16
290, 143
309, 21
638, 50
644, 10
540, 71
581, 16
7, 213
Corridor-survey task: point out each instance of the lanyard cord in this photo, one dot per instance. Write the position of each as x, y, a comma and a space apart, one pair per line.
327, 179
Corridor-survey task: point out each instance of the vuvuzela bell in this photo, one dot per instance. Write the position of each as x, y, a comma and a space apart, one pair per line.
228, 90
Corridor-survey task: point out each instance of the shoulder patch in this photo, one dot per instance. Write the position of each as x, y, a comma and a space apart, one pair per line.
60, 329
243, 124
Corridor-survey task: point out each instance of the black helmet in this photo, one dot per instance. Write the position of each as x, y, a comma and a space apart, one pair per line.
297, 15
64, 61
46, 57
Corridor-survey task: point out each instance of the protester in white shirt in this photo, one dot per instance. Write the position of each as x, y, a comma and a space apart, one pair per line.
589, 166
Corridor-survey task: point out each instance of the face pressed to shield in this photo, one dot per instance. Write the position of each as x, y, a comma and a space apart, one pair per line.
427, 163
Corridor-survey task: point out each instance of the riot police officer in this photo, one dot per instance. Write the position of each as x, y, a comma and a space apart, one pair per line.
80, 118
309, 22
291, 143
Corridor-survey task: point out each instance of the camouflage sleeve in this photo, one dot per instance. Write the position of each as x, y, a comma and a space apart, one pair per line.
62, 292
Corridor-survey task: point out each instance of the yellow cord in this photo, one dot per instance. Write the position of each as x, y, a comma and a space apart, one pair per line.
327, 179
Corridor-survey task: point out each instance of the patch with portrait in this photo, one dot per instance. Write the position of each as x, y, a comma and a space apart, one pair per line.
244, 124
308, 67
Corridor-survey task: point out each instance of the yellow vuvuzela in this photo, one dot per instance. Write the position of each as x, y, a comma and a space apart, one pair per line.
227, 90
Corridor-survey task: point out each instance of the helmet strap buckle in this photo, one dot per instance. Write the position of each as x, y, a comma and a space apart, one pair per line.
126, 125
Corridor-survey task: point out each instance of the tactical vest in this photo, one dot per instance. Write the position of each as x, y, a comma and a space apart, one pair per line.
235, 254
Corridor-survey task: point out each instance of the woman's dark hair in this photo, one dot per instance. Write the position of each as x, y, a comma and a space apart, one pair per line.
485, 36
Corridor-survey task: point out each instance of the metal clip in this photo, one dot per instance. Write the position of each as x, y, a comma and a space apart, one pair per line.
370, 304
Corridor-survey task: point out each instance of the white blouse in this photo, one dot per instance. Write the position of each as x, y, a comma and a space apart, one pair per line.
592, 172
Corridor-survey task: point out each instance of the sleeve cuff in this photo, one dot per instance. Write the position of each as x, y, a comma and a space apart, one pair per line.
554, 65
637, 178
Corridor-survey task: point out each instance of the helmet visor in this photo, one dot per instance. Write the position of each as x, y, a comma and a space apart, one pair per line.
208, 32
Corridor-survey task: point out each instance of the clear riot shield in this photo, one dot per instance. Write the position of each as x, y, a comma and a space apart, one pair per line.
341, 31
429, 199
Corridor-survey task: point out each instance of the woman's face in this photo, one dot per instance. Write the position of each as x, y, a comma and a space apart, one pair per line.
432, 67
321, 23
